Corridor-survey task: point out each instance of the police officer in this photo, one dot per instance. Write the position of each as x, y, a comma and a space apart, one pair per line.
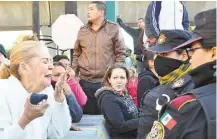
193, 115
172, 66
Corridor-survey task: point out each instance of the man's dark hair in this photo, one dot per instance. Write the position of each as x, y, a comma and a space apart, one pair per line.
56, 63
59, 57
2, 51
148, 55
142, 19
100, 6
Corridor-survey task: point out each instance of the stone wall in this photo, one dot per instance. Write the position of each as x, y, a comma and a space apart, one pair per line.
18, 15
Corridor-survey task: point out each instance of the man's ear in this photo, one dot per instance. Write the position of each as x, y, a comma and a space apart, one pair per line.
184, 56
102, 12
213, 50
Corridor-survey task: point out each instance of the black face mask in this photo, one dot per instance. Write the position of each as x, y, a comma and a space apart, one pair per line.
164, 65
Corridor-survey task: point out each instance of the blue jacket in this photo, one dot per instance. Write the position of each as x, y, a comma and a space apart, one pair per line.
74, 108
152, 18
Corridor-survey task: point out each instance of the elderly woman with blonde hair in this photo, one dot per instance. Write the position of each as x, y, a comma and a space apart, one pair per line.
29, 72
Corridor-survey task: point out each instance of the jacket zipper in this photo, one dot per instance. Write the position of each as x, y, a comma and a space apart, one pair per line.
95, 51
174, 15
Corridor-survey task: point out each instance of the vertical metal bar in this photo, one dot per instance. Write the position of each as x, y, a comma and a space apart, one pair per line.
58, 50
71, 8
35, 18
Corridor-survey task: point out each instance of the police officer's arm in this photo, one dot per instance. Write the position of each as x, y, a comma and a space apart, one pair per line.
183, 118
146, 120
119, 46
76, 54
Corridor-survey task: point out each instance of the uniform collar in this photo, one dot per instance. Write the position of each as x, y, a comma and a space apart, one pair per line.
204, 74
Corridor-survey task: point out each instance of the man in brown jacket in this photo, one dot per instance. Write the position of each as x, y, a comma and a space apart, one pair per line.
99, 45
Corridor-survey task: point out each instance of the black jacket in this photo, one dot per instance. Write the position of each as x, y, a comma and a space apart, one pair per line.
189, 114
135, 35
120, 114
156, 98
146, 81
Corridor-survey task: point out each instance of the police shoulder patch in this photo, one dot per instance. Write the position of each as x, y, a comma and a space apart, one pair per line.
179, 102
157, 131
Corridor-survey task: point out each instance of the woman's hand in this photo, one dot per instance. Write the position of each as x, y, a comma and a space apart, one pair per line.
59, 88
32, 112
66, 89
70, 73
75, 128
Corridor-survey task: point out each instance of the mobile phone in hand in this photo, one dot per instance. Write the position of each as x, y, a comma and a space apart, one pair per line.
38, 99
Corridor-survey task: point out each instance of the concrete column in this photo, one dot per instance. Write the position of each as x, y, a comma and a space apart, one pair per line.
112, 10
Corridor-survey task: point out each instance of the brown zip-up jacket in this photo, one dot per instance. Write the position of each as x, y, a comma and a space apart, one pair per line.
95, 51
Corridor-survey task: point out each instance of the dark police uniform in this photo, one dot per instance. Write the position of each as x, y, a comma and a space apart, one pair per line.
185, 117
155, 98
193, 115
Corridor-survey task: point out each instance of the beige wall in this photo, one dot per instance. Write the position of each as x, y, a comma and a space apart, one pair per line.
130, 11
19, 14
194, 7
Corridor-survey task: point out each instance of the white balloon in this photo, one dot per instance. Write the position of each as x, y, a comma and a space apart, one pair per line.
65, 30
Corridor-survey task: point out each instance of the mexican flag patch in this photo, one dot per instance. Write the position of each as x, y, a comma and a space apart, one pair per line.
168, 120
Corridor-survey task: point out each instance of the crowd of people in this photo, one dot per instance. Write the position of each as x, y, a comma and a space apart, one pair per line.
170, 94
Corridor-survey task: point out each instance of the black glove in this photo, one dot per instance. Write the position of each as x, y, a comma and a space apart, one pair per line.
140, 57
119, 20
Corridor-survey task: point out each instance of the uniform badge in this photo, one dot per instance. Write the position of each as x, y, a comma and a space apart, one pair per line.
157, 131
178, 83
161, 38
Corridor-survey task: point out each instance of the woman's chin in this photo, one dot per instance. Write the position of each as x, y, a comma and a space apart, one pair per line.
119, 89
47, 84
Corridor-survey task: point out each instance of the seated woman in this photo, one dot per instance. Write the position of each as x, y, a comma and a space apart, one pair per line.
29, 71
120, 113
73, 94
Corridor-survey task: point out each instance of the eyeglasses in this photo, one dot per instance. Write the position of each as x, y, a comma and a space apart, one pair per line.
47, 61
193, 49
